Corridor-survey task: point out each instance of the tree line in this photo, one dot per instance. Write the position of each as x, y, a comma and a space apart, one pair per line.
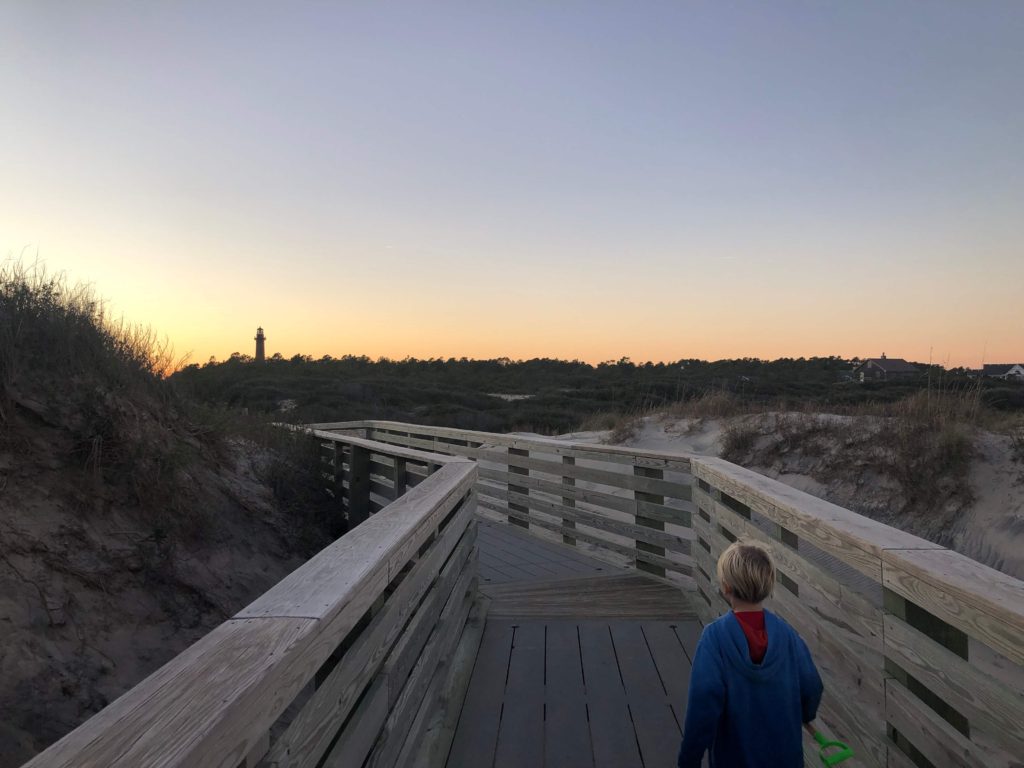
541, 394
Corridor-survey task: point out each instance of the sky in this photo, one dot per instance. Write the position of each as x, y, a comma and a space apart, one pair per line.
584, 180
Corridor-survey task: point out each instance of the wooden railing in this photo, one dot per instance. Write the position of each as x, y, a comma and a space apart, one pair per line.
340, 664
365, 476
629, 506
921, 648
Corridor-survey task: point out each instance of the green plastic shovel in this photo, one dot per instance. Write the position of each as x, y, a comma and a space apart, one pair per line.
832, 752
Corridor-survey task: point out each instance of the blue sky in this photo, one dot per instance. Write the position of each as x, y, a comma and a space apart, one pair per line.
657, 180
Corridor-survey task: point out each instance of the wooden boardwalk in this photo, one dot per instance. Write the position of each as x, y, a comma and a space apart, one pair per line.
512, 555
582, 664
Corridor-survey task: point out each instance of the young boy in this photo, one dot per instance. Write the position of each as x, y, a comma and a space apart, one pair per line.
753, 682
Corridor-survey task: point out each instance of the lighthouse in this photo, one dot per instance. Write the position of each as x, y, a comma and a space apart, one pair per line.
261, 350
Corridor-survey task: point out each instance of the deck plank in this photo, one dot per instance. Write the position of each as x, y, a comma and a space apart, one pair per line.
597, 673
476, 745
493, 573
689, 634
627, 595
566, 728
640, 677
657, 731
670, 658
611, 726
521, 736
516, 547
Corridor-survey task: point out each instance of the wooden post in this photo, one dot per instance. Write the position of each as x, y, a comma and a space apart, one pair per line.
568, 501
400, 477
358, 486
648, 522
518, 489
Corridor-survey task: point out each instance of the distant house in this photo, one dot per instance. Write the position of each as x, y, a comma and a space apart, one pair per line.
1009, 371
885, 369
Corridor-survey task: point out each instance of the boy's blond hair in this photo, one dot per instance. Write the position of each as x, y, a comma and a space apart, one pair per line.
747, 567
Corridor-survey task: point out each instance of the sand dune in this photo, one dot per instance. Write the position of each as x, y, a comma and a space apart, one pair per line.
990, 529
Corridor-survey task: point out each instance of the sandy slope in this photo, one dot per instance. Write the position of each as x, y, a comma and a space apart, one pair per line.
90, 605
993, 529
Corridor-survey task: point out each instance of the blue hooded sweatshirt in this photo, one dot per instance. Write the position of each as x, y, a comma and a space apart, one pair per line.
749, 715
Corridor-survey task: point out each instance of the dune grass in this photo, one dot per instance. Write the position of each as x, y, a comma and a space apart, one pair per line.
96, 389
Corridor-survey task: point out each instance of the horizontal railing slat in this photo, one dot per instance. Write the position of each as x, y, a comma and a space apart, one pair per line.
441, 645
310, 733
988, 702
609, 453
940, 742
593, 519
374, 446
947, 584
596, 498
664, 562
415, 634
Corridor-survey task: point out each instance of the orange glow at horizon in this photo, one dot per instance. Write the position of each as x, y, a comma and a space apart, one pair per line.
630, 316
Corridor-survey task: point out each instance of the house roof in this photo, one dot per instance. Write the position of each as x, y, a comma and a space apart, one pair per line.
998, 369
890, 364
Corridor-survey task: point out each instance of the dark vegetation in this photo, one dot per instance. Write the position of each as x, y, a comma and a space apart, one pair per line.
97, 388
563, 395
132, 521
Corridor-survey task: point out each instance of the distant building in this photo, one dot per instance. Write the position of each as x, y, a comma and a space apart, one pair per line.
1009, 371
885, 369
261, 349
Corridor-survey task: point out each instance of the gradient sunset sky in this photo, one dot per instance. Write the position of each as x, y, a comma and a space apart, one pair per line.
592, 180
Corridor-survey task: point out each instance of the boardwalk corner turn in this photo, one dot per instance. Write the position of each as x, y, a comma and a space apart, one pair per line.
597, 564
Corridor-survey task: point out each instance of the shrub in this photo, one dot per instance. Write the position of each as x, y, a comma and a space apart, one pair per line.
1017, 444
739, 438
623, 430
600, 422
710, 405
65, 364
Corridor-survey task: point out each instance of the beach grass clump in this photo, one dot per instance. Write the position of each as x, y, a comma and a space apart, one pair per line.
620, 427
94, 390
739, 438
924, 443
97, 385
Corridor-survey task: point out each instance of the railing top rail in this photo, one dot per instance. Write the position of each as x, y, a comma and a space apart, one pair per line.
324, 584
212, 703
388, 449
549, 444
846, 528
